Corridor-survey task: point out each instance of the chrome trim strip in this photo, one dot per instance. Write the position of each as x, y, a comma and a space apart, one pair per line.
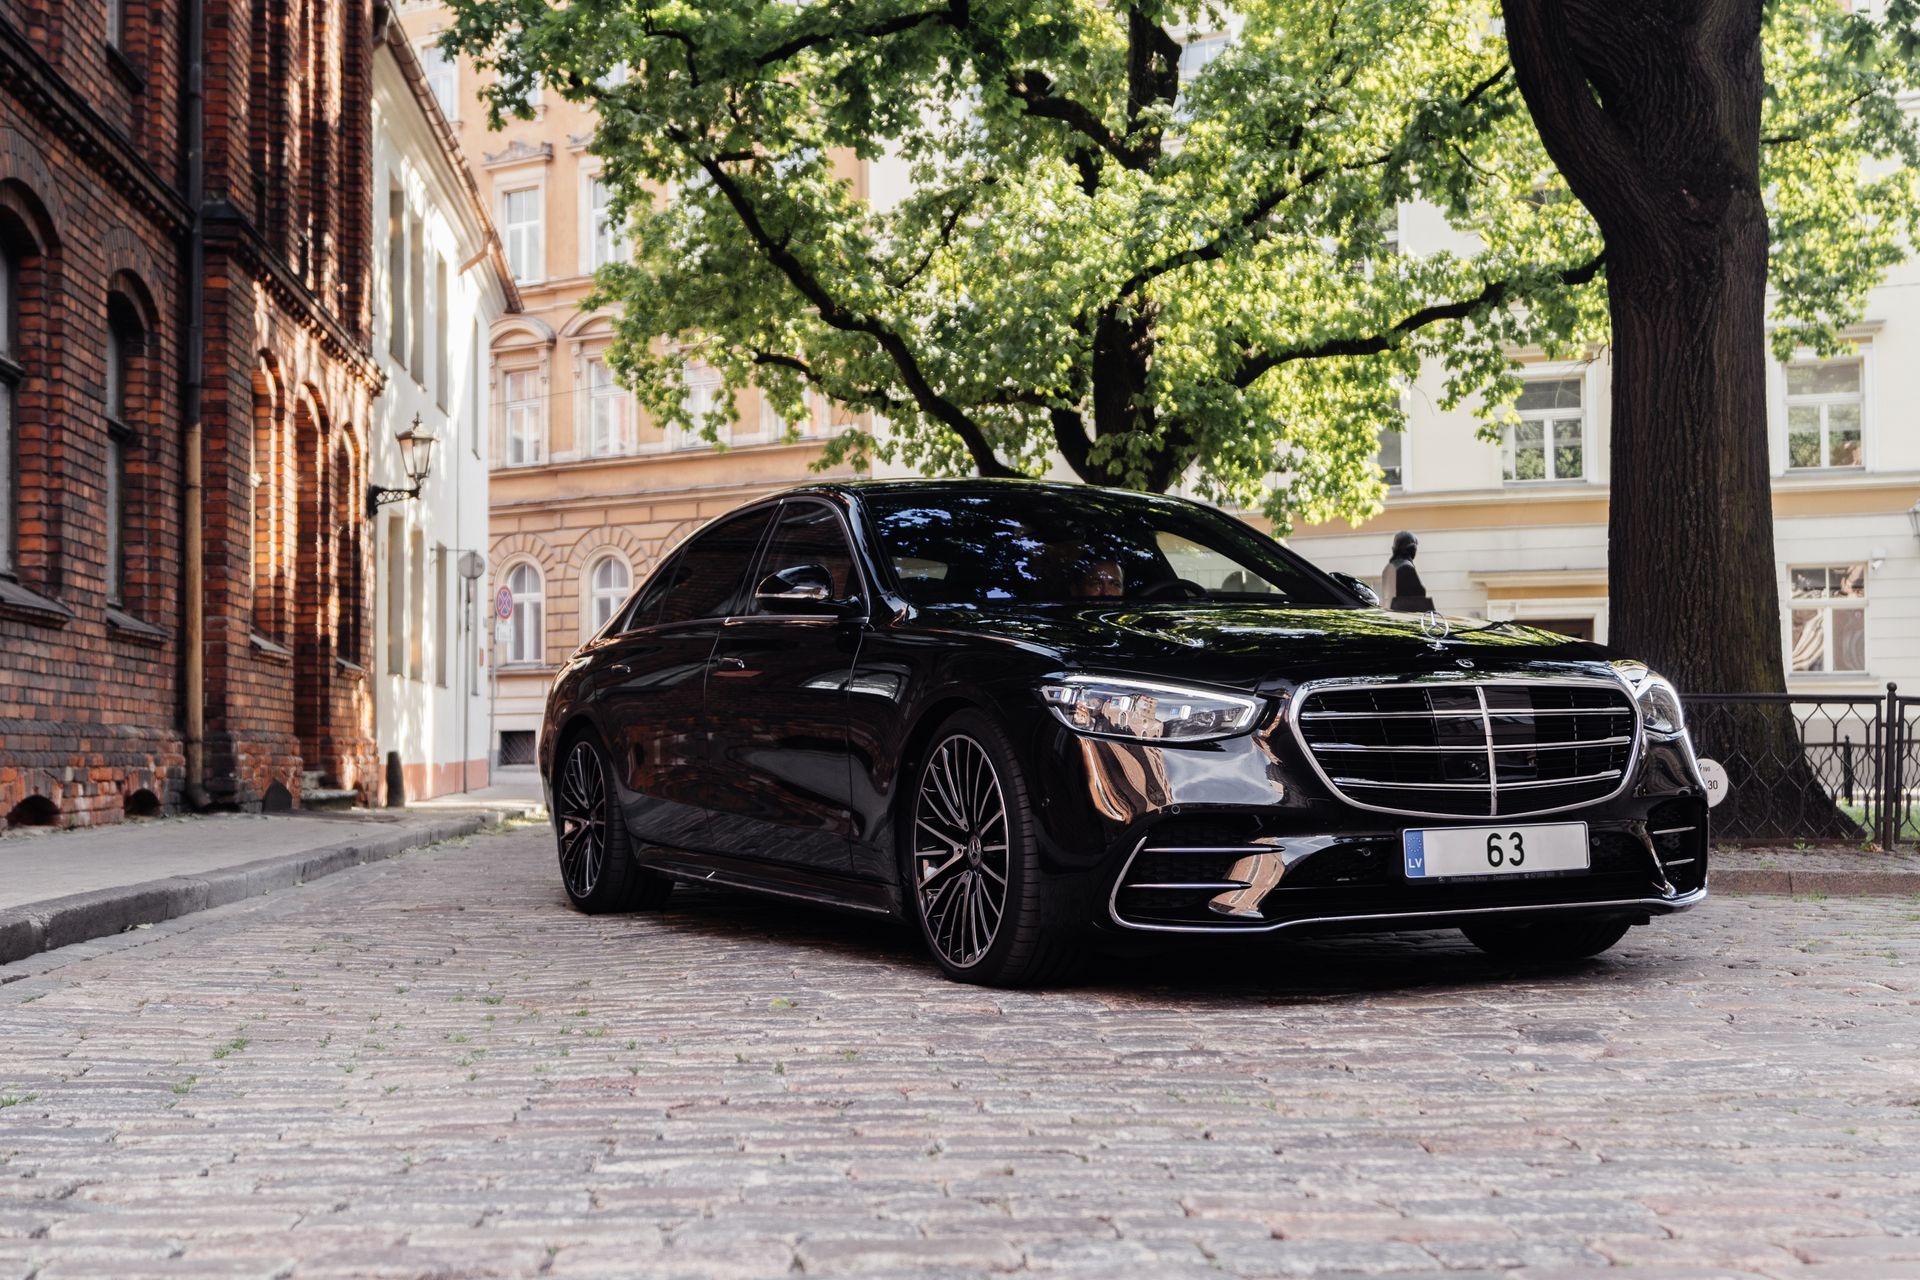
1493, 763
1391, 715
1672, 831
1474, 746
1479, 786
1214, 886
1611, 681
1680, 903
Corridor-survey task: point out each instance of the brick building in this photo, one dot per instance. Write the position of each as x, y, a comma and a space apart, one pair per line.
163, 642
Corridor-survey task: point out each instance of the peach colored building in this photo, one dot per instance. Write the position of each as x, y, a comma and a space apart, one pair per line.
586, 493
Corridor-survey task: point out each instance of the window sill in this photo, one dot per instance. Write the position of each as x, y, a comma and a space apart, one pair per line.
352, 669
123, 67
18, 602
270, 650
134, 631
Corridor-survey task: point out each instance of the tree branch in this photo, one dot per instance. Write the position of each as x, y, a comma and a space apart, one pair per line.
1491, 295
867, 396
839, 316
1035, 88
953, 14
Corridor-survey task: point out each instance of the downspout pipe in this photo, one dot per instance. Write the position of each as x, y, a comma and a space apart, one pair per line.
193, 591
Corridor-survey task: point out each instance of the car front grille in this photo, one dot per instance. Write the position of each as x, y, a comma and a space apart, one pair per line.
1469, 748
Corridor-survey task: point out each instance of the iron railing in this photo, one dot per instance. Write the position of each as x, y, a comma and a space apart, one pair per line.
1818, 768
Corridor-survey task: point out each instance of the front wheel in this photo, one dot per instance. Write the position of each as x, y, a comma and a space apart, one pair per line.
1549, 941
984, 908
597, 865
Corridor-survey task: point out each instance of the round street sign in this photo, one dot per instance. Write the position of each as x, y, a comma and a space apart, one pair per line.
503, 603
1714, 774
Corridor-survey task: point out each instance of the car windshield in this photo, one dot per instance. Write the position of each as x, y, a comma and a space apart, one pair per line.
1019, 545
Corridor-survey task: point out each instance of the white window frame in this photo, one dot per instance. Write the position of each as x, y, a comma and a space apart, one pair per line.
1824, 402
609, 411
597, 597
702, 378
529, 232
601, 242
1826, 606
527, 628
1561, 371
524, 419
442, 75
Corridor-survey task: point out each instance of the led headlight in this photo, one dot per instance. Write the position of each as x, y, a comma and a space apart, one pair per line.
1660, 712
1126, 708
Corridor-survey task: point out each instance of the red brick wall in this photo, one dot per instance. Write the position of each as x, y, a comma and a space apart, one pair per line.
91, 709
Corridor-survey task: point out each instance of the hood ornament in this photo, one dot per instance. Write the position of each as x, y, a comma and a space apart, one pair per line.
1435, 628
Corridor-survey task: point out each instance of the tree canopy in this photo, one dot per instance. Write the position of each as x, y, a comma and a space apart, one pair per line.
1160, 274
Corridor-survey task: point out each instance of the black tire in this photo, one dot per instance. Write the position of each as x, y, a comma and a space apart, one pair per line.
597, 866
1553, 940
972, 863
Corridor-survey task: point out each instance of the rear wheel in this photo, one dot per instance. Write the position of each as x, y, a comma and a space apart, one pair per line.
1548, 941
597, 866
984, 908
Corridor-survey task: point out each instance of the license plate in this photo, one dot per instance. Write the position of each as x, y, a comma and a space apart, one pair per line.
1451, 853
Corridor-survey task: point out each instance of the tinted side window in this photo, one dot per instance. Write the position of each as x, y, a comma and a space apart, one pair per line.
709, 570
646, 606
810, 533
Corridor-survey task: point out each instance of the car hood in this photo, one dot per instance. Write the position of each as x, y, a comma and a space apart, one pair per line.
1264, 646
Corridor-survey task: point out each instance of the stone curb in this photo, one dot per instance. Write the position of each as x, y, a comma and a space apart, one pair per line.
1837, 884
80, 917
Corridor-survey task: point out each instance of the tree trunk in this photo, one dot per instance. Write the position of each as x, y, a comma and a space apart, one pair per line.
1651, 108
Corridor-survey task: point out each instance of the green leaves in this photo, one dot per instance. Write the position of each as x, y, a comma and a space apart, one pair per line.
1007, 230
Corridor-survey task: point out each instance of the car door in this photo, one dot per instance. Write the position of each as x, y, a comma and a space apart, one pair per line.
777, 703
656, 675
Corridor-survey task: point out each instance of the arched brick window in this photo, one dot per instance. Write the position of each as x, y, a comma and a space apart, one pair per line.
608, 582
125, 401
348, 549
268, 518
29, 533
10, 373
526, 631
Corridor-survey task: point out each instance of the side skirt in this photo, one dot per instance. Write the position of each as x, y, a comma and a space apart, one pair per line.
841, 893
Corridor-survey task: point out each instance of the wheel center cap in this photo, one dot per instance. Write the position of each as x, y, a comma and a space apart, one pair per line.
973, 851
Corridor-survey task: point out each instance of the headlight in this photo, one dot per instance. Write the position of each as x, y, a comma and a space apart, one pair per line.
1147, 710
1660, 712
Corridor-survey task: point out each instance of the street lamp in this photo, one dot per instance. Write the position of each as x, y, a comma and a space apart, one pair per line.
416, 455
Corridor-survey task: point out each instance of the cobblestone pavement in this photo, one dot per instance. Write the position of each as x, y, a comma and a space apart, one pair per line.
431, 1067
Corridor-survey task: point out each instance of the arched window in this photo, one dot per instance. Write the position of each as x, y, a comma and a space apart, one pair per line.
125, 334
9, 386
526, 631
607, 586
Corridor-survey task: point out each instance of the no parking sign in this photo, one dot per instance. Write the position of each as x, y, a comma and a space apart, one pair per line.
503, 603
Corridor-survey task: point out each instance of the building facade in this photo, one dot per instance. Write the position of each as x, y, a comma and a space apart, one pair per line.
440, 283
587, 494
188, 392
1517, 528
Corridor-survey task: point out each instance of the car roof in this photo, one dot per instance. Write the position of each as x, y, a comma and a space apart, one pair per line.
974, 484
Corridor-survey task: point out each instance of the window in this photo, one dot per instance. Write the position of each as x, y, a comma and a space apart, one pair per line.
708, 573
1548, 443
520, 216
440, 585
526, 631
473, 389
810, 533
443, 335
1195, 54
417, 292
607, 584
701, 401
524, 428
1827, 618
1388, 456
608, 245
417, 632
117, 23
443, 77
1823, 413
396, 597
608, 412
123, 341
9, 385
396, 274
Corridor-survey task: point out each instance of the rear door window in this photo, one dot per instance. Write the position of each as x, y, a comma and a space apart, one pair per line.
711, 570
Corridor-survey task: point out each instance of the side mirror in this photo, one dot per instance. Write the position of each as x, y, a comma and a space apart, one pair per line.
1359, 588
795, 589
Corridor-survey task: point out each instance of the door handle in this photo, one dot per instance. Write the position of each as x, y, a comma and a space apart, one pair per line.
621, 669
730, 664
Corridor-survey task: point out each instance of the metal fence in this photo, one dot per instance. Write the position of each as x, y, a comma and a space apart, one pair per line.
1841, 768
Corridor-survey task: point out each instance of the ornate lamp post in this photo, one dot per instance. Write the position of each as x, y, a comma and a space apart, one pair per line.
416, 455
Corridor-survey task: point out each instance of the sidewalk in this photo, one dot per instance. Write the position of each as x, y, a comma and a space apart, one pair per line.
62, 887
1831, 871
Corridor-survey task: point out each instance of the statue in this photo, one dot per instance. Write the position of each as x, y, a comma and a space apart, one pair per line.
1400, 587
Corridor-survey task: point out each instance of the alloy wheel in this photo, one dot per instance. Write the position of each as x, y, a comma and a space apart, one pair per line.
961, 851
583, 823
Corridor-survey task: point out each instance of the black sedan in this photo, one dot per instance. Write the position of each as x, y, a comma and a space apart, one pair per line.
1017, 713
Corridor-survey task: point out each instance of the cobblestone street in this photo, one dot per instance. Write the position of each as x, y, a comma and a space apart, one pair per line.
432, 1067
